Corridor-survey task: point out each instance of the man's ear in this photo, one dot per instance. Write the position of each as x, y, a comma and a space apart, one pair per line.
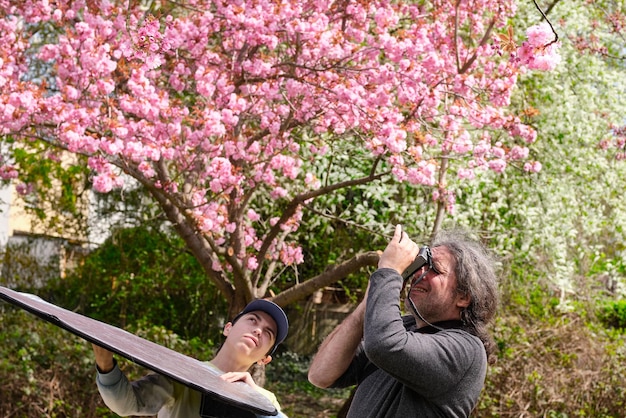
227, 328
265, 360
463, 300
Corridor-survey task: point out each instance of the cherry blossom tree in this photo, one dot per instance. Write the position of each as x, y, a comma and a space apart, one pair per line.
223, 110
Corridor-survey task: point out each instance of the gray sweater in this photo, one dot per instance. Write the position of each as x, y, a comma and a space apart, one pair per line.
404, 372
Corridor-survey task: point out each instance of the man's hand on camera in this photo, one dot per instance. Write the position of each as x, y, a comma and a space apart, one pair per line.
400, 251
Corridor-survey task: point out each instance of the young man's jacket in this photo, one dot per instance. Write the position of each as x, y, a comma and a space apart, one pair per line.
155, 394
404, 372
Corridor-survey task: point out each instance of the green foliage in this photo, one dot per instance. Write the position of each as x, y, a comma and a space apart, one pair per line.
561, 229
613, 314
556, 367
144, 276
290, 370
287, 378
45, 371
57, 182
356, 219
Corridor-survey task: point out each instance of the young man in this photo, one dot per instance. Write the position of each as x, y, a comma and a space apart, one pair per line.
431, 363
251, 337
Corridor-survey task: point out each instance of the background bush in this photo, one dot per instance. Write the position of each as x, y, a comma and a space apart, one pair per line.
143, 275
613, 314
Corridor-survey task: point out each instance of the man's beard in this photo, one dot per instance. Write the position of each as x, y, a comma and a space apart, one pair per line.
425, 309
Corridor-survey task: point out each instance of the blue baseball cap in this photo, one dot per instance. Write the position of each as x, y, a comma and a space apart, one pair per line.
273, 310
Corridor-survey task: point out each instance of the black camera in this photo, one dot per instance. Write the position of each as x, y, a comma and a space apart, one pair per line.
424, 257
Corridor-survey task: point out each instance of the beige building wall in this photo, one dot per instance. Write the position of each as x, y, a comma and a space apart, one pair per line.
35, 250
23, 221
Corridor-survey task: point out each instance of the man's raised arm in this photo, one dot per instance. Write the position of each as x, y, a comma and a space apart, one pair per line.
338, 349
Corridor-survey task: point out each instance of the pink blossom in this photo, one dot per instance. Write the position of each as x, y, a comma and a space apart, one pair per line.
216, 266
206, 224
229, 118
430, 140
102, 183
230, 227
24, 188
312, 181
98, 164
462, 143
278, 192
396, 159
394, 139
399, 172
481, 149
217, 186
539, 35
71, 93
498, 152
532, 166
539, 52
497, 165
8, 172
253, 215
466, 174
416, 152
518, 153
423, 174
171, 187
146, 169
291, 255
288, 165
134, 150
252, 263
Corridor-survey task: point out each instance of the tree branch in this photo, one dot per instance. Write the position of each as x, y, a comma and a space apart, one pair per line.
441, 207
335, 273
483, 41
198, 245
291, 208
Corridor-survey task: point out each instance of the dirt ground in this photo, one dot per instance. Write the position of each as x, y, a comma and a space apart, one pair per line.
298, 406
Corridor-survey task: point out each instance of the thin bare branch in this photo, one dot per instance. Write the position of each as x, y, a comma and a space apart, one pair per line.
330, 276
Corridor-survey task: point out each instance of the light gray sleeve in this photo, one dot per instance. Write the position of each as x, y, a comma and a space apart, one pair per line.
429, 364
143, 397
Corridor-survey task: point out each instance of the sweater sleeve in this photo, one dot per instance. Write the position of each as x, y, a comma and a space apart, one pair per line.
356, 371
430, 364
143, 397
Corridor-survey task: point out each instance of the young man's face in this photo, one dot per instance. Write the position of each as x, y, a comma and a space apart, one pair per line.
435, 296
253, 335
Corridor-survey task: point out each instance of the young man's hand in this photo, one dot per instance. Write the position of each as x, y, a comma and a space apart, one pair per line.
239, 377
104, 359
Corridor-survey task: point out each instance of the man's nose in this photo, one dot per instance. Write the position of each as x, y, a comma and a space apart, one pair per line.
420, 275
